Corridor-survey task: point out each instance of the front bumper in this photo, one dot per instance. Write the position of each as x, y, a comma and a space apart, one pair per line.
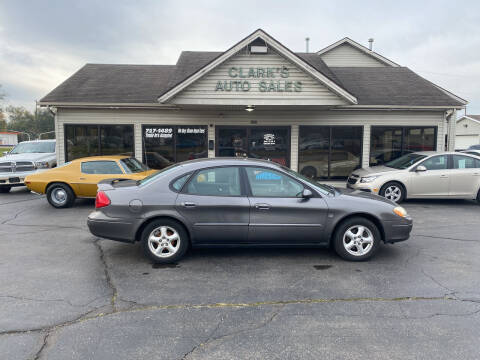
398, 230
106, 227
368, 187
14, 178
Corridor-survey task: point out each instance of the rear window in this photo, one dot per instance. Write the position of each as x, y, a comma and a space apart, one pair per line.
159, 173
132, 165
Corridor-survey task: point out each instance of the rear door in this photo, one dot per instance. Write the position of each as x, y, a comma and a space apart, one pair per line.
92, 172
431, 183
215, 204
464, 177
278, 213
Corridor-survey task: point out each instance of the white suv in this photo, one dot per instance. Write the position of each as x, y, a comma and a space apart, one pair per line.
24, 159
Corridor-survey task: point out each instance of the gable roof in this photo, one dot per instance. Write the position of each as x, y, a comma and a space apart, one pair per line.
107, 83
360, 47
475, 118
281, 49
392, 86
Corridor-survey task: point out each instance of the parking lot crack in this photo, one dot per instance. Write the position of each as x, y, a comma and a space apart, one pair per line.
210, 339
446, 238
451, 291
111, 285
44, 345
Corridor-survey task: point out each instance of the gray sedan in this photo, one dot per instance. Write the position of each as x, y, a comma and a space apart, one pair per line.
242, 202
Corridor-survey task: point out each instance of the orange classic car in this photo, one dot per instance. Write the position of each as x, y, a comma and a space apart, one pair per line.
79, 178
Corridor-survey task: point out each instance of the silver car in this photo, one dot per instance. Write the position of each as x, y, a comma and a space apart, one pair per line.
242, 202
25, 159
426, 174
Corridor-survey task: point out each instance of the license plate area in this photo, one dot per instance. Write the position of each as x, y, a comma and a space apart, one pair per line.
13, 180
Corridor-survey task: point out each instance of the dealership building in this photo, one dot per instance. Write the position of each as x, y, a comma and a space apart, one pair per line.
323, 114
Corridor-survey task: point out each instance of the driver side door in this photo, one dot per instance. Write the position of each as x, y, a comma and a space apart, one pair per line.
278, 213
434, 182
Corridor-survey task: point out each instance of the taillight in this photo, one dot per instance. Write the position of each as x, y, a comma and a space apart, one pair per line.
101, 200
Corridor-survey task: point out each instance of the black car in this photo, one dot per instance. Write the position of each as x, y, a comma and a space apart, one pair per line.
242, 202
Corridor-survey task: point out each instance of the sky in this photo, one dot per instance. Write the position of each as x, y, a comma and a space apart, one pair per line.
44, 42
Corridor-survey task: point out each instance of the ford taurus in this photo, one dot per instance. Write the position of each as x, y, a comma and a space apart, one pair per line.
242, 202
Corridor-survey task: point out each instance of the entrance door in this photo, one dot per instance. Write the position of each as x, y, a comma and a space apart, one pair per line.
269, 143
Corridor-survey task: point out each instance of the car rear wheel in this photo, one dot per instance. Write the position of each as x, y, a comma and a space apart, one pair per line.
393, 191
164, 241
356, 239
5, 189
60, 196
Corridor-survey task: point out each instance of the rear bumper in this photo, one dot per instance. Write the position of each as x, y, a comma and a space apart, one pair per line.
396, 231
110, 228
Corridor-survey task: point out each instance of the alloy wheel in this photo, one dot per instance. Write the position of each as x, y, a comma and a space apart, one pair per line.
358, 240
393, 192
164, 241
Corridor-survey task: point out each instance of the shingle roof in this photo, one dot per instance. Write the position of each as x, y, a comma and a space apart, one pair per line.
391, 86
106, 83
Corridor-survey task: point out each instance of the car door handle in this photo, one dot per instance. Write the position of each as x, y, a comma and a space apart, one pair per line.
476, 174
83, 179
262, 206
188, 204
443, 176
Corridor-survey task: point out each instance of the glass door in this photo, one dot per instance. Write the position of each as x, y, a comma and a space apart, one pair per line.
269, 143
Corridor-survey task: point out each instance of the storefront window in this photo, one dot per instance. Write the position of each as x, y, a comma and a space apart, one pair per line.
329, 152
84, 140
165, 145
270, 143
389, 143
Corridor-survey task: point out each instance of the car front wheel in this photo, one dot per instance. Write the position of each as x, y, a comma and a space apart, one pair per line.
164, 241
356, 239
60, 196
393, 191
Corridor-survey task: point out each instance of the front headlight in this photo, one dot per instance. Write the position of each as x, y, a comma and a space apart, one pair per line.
400, 211
42, 165
368, 179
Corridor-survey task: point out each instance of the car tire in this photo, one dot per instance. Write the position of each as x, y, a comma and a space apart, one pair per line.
352, 235
5, 189
60, 196
164, 241
393, 191
309, 171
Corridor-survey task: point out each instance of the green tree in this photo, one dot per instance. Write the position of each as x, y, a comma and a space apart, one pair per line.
3, 121
20, 119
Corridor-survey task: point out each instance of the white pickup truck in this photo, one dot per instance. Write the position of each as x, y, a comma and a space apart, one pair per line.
24, 159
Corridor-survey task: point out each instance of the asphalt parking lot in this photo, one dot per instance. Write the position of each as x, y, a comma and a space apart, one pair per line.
65, 294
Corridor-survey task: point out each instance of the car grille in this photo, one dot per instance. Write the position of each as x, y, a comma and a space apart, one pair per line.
19, 166
352, 180
25, 166
6, 167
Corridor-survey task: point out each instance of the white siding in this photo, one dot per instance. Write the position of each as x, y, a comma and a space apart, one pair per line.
346, 55
467, 135
258, 117
204, 92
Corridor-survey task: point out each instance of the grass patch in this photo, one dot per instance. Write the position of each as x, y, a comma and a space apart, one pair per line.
3, 148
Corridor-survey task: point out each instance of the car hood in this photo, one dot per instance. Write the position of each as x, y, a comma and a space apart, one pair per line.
363, 195
28, 157
373, 170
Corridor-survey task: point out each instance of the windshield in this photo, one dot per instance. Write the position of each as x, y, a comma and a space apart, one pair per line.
405, 161
132, 165
153, 176
34, 147
324, 189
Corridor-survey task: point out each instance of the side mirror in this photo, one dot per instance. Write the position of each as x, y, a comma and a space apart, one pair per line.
421, 168
306, 194
5, 153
